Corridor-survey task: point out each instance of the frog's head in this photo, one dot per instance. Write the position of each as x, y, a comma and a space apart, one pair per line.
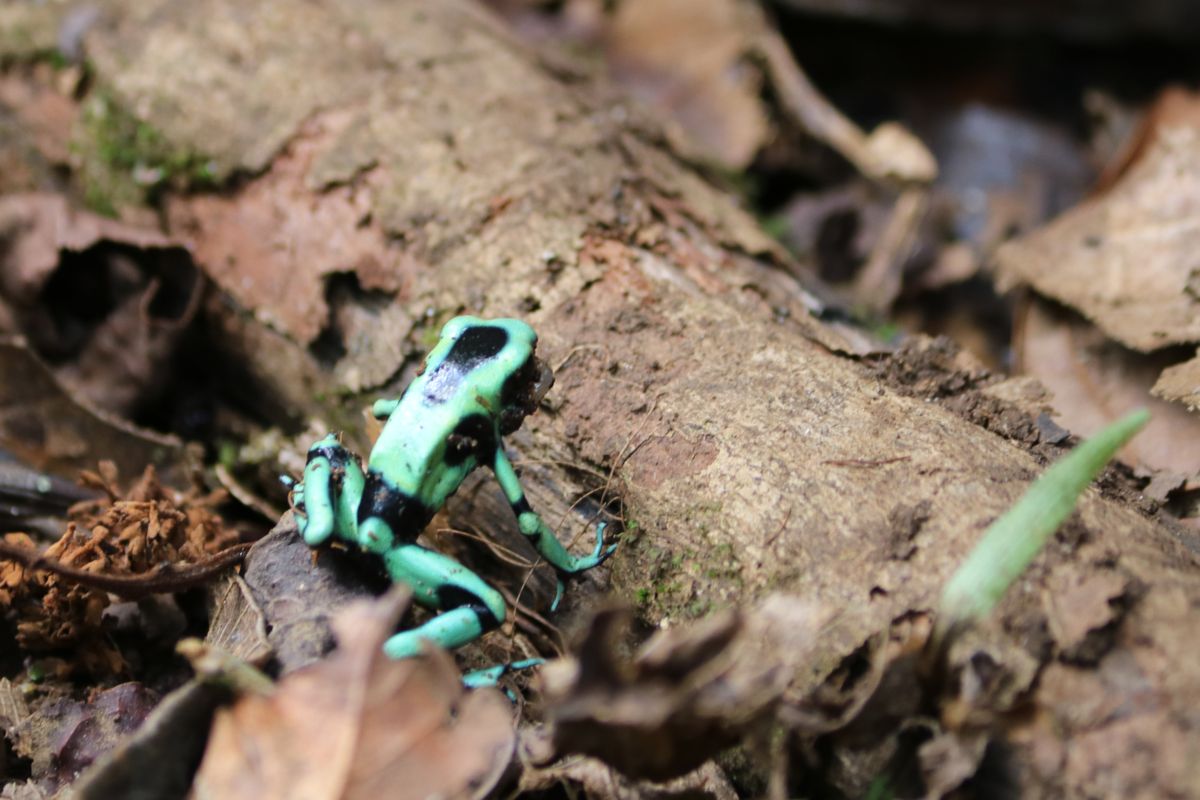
498, 356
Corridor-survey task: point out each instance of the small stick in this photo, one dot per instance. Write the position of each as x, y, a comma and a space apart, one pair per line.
164, 580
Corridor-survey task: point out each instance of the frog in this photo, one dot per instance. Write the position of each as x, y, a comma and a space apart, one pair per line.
476, 386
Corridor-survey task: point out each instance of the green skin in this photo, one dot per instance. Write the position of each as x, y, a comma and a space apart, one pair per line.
478, 383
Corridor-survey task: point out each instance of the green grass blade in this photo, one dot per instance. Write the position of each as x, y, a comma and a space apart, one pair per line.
1012, 541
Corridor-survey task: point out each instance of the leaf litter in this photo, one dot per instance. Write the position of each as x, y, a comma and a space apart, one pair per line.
1125, 260
360, 725
131, 534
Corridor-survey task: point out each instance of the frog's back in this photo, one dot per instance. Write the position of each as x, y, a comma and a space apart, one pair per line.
446, 419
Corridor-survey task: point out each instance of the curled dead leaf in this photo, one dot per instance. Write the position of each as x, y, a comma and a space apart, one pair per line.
707, 782
1079, 604
50, 427
1125, 259
104, 301
686, 695
1181, 384
1094, 380
62, 737
360, 725
686, 59
159, 757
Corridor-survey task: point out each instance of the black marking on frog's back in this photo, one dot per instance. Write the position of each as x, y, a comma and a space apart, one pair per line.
475, 434
473, 347
405, 515
476, 345
450, 596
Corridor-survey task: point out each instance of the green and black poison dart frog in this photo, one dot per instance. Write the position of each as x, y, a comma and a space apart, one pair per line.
478, 384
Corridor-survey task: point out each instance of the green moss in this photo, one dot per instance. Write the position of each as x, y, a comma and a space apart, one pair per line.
227, 454
429, 336
682, 583
698, 607
880, 789
126, 161
745, 767
57, 60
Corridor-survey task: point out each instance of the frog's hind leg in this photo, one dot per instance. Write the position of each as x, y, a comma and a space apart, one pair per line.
329, 496
470, 608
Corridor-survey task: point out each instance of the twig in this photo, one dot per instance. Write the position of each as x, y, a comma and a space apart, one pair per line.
865, 463
164, 580
887, 156
879, 282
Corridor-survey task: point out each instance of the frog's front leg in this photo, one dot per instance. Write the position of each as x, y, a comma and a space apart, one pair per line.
537, 531
328, 498
469, 606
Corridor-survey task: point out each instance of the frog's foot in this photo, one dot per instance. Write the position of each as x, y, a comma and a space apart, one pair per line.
599, 555
327, 499
489, 677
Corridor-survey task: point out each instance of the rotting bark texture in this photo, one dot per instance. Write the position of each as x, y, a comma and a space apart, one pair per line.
445, 168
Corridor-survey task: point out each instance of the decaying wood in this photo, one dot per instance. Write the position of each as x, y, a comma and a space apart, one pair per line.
435, 161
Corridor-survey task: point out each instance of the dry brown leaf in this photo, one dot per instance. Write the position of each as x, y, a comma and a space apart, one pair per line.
35, 123
236, 623
1180, 383
686, 696
1159, 766
686, 59
157, 759
1126, 259
64, 736
52, 429
1094, 381
361, 726
1121, 742
1079, 602
104, 300
38, 228
900, 708
598, 779
948, 759
1174, 107
273, 244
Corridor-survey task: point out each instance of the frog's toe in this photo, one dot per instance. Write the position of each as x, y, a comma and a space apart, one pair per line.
600, 537
602, 555
559, 587
601, 552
